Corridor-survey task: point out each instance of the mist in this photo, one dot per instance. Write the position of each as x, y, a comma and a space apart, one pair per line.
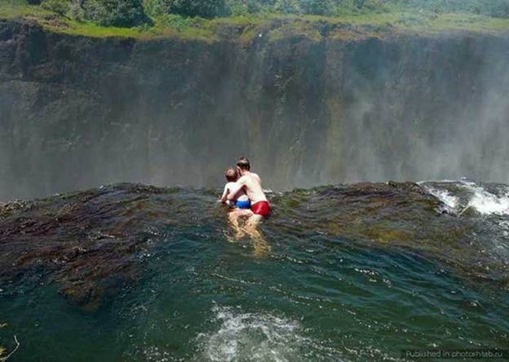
77, 113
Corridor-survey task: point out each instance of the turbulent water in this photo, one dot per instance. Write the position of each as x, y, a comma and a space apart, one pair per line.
345, 273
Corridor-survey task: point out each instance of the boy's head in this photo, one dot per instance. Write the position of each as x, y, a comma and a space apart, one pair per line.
243, 164
231, 174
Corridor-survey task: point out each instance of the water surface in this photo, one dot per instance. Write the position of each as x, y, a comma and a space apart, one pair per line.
348, 272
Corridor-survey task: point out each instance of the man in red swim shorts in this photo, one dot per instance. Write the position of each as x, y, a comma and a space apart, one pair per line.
252, 185
261, 208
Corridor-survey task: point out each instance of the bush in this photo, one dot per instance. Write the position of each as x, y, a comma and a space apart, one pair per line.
203, 8
58, 6
122, 13
287, 6
154, 7
76, 10
316, 7
499, 8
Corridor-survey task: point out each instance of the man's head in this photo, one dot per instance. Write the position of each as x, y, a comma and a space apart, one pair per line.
243, 165
231, 174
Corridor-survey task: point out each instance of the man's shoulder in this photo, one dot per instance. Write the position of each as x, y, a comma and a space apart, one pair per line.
255, 176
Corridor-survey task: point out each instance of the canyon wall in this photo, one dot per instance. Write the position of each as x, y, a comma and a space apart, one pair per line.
78, 112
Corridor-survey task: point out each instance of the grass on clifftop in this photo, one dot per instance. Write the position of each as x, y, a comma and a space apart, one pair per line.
275, 26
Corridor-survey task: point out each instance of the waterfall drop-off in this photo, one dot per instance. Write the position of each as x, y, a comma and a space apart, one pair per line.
78, 112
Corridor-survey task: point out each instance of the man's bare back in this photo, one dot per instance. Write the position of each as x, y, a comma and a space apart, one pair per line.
253, 187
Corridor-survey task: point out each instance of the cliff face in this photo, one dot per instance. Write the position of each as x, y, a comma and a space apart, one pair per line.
78, 112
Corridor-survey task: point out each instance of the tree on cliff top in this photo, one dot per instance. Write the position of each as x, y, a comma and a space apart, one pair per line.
191, 8
122, 13
496, 8
316, 7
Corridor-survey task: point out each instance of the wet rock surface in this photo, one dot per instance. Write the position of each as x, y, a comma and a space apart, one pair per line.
87, 242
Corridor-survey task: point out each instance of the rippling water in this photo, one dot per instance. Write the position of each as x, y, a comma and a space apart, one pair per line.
348, 272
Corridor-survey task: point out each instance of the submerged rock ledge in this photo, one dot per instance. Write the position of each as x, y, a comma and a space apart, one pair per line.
93, 243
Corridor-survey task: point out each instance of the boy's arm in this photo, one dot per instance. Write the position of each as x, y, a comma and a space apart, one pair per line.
225, 193
241, 182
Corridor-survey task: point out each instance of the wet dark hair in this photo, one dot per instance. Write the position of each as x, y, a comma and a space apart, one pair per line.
243, 163
231, 174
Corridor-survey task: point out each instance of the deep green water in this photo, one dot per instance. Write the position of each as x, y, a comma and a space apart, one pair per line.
312, 293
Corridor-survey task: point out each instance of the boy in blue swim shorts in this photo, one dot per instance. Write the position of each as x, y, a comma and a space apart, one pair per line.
241, 201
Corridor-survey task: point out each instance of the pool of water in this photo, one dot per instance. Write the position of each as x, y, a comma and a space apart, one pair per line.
198, 294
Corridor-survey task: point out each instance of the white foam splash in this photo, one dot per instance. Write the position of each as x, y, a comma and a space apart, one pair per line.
155, 354
252, 337
481, 200
444, 196
487, 203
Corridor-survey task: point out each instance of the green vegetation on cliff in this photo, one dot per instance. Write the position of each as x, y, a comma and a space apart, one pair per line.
245, 19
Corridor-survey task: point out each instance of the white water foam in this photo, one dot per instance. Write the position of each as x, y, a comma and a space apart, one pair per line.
487, 203
253, 337
447, 198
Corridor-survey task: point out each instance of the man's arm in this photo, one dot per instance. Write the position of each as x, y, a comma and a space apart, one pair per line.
241, 182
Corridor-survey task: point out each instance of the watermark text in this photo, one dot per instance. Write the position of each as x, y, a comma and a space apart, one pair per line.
455, 353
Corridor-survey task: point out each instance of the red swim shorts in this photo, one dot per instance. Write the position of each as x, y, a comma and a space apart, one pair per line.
261, 208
